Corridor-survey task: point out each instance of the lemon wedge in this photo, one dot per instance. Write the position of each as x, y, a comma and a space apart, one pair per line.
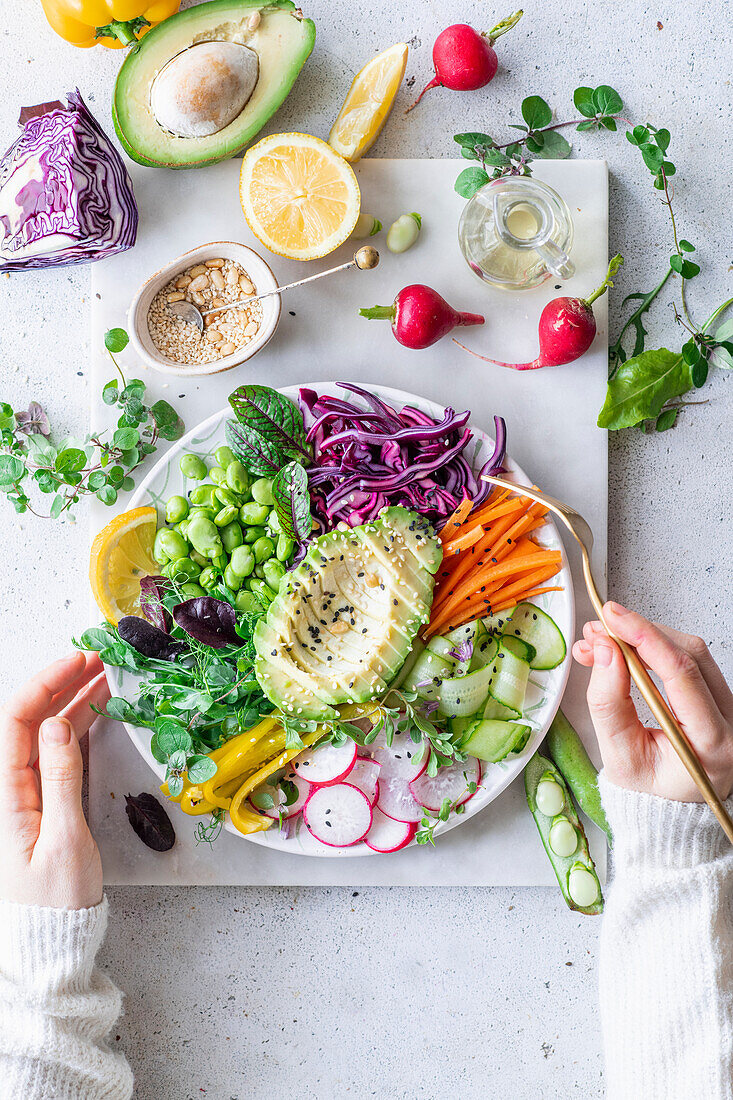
122, 553
368, 103
299, 196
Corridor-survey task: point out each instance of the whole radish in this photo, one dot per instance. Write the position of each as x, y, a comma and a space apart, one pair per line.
465, 60
420, 316
567, 328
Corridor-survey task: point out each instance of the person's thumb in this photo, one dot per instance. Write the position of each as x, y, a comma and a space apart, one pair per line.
620, 733
60, 765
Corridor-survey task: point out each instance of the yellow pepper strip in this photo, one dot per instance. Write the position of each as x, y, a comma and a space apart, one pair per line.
194, 802
243, 763
114, 23
247, 820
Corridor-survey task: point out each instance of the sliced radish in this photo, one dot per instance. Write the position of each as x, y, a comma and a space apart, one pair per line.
276, 811
396, 799
365, 776
399, 757
388, 835
451, 783
327, 763
338, 815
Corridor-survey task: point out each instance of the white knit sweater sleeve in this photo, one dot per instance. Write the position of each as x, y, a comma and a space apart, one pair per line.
56, 1007
666, 969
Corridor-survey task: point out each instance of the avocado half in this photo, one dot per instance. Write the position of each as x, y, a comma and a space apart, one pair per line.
200, 85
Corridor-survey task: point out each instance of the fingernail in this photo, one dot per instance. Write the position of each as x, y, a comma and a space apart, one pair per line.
618, 608
602, 654
55, 731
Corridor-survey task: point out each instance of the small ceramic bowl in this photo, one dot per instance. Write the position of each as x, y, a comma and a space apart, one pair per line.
259, 272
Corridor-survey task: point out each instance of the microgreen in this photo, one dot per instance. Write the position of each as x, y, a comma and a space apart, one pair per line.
430, 821
68, 470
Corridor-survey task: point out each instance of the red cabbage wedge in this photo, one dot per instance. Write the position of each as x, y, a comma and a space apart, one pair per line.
65, 195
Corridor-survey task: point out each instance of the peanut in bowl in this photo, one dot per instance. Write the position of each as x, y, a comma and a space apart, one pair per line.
212, 275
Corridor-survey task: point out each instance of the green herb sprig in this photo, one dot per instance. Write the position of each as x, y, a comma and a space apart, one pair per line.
428, 823
68, 470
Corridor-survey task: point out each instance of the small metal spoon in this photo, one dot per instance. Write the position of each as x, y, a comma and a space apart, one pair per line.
579, 529
366, 258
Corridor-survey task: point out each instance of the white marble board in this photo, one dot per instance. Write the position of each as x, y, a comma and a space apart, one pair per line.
550, 418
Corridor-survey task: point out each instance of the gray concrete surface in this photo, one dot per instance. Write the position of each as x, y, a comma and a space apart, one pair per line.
394, 993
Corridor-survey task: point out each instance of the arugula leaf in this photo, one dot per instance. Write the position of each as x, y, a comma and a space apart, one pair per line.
641, 386
292, 502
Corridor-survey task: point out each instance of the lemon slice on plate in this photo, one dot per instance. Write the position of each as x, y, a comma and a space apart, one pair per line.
122, 553
368, 103
299, 196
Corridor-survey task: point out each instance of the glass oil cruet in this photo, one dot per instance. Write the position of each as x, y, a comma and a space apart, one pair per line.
515, 232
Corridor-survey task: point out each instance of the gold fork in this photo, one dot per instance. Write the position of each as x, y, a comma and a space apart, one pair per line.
583, 535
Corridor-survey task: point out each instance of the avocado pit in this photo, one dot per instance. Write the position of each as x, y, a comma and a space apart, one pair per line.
203, 89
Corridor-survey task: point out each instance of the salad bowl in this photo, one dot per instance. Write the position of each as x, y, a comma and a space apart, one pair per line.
545, 689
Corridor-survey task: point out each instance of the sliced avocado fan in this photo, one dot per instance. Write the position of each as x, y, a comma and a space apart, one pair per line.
198, 87
345, 619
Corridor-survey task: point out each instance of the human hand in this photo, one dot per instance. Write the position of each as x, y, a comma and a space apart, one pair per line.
643, 759
49, 856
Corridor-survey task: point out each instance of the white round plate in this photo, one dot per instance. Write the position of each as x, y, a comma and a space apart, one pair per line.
545, 688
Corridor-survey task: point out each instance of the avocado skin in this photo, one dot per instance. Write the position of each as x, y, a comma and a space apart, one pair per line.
202, 11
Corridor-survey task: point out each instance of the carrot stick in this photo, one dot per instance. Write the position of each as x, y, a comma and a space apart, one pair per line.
455, 520
491, 609
502, 605
474, 557
463, 541
527, 581
503, 508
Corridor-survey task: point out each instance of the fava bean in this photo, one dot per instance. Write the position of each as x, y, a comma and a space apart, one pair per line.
224, 456
254, 515
285, 547
181, 528
208, 578
273, 523
262, 491
227, 515
184, 569
220, 562
207, 513
231, 537
263, 591
242, 561
217, 475
226, 497
191, 590
237, 477
263, 549
198, 558
274, 573
403, 233
204, 537
232, 580
366, 226
260, 571
193, 467
251, 534
171, 544
176, 509
203, 496
247, 601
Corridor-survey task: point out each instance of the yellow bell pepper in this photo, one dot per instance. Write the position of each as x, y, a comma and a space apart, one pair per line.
114, 23
247, 820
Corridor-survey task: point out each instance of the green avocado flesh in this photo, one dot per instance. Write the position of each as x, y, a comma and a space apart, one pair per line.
224, 95
345, 619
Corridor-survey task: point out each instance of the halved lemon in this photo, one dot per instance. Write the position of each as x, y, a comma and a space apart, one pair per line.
368, 103
300, 198
122, 553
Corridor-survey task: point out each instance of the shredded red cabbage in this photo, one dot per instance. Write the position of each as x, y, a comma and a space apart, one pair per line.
65, 195
367, 458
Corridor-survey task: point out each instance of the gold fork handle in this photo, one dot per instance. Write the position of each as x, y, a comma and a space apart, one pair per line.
663, 714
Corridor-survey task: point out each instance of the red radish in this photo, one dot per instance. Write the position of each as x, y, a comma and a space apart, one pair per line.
339, 815
365, 777
566, 328
386, 835
420, 316
403, 757
277, 811
326, 764
396, 799
465, 60
451, 783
